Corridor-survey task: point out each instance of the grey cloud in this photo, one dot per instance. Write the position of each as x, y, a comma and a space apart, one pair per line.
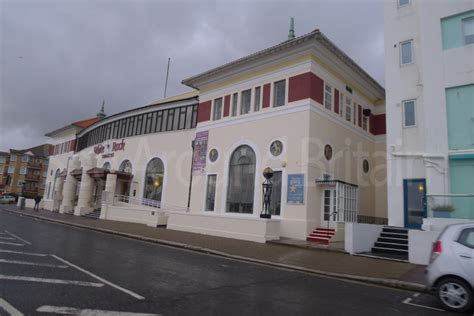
59, 59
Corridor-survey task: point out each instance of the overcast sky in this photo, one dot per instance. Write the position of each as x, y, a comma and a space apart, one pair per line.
60, 58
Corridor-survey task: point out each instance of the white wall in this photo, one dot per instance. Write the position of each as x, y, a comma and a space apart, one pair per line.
360, 237
141, 216
420, 245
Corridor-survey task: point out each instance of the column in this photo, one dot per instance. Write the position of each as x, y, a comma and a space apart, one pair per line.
87, 186
69, 187
58, 193
108, 194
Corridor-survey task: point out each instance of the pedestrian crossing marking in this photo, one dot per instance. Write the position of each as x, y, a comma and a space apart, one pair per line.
51, 281
24, 253
9, 308
86, 312
28, 263
17, 237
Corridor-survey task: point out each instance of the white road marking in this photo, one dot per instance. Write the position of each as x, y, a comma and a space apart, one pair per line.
416, 294
408, 302
12, 311
24, 253
8, 238
17, 237
52, 281
10, 243
86, 312
27, 263
135, 295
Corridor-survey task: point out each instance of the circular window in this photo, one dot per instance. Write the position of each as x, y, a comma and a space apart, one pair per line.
365, 166
328, 152
213, 155
276, 148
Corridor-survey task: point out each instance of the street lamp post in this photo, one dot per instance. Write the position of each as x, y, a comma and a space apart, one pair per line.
267, 193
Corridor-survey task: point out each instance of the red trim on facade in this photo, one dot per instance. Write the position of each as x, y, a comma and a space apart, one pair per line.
336, 101
359, 115
306, 86
204, 111
266, 96
378, 124
226, 105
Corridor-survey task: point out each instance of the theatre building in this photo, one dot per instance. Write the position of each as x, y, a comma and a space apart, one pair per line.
195, 162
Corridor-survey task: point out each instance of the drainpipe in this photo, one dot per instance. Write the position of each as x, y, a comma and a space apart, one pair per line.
190, 176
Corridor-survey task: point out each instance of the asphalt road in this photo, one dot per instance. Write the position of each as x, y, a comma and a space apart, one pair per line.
51, 268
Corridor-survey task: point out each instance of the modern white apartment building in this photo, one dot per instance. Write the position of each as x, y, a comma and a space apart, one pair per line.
429, 71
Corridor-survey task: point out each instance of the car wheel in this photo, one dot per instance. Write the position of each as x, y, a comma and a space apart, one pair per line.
455, 295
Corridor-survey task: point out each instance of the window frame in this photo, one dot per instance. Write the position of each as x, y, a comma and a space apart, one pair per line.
235, 104
414, 113
215, 108
348, 105
257, 99
403, 5
461, 234
206, 205
242, 102
326, 92
463, 29
274, 103
412, 53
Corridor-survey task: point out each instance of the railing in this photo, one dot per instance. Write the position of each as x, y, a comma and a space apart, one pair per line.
456, 206
364, 219
149, 203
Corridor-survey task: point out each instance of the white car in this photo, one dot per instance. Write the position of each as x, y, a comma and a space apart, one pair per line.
451, 270
7, 199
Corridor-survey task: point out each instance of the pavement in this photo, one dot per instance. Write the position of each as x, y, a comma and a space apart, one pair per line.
313, 260
46, 268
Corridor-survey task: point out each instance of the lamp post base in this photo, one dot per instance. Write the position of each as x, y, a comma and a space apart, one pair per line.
265, 215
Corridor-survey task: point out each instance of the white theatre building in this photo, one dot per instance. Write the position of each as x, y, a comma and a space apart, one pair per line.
429, 70
194, 162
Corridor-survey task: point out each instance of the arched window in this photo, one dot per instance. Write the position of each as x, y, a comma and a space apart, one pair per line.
155, 172
56, 176
106, 166
126, 166
241, 185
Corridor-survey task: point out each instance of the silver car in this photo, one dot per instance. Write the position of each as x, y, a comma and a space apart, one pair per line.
451, 270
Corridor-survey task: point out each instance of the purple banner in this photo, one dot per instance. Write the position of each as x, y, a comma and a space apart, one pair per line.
200, 151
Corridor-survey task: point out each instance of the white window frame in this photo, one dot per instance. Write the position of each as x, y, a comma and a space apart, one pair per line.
463, 28
412, 53
214, 109
328, 94
255, 109
403, 113
23, 171
234, 100
274, 101
348, 105
13, 158
365, 122
342, 104
242, 100
11, 169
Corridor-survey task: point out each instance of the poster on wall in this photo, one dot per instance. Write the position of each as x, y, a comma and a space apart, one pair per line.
200, 151
295, 189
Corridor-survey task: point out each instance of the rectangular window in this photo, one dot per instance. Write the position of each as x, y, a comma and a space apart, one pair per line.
365, 122
159, 121
217, 109
2, 159
189, 116
23, 170
234, 104
245, 100
468, 30
257, 99
348, 109
211, 192
354, 113
11, 169
275, 201
182, 118
25, 158
402, 3
279, 93
409, 116
341, 105
328, 97
13, 158
169, 125
406, 52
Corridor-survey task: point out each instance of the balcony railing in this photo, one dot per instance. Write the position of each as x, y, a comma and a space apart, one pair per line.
456, 206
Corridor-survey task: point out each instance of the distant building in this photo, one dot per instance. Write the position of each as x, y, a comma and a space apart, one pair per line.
429, 70
23, 172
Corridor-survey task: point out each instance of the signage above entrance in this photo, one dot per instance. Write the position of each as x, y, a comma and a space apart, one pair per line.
109, 148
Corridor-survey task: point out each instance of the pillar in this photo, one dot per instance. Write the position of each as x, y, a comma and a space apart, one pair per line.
69, 187
87, 186
58, 194
108, 194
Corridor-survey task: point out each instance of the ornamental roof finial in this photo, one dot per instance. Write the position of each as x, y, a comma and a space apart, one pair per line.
291, 32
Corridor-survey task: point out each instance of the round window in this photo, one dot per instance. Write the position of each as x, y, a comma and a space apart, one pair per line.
328, 152
276, 148
365, 166
213, 155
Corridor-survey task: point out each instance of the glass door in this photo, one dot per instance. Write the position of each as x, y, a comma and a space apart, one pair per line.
414, 191
329, 207
275, 202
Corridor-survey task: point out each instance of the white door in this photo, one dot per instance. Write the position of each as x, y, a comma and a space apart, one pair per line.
329, 207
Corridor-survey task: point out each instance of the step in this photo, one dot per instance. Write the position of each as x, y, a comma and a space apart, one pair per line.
395, 230
318, 240
400, 241
390, 245
394, 235
331, 230
389, 250
320, 236
322, 233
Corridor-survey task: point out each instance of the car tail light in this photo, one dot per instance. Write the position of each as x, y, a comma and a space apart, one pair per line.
437, 249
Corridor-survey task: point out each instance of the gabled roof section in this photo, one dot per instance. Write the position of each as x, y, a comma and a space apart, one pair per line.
316, 35
86, 123
38, 151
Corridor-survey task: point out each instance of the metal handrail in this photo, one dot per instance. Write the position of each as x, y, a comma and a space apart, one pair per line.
149, 202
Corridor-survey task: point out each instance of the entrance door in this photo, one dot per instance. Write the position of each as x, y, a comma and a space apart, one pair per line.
275, 201
329, 207
414, 192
